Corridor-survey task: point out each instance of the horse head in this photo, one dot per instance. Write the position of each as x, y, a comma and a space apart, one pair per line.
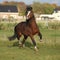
29, 13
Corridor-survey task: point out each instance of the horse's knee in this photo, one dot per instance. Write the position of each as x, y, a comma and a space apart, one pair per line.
18, 37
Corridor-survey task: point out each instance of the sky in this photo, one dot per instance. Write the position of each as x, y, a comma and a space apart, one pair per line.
31, 1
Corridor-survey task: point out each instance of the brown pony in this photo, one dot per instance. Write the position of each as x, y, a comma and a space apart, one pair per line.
27, 29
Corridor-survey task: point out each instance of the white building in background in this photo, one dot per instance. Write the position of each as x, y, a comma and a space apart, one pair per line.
55, 15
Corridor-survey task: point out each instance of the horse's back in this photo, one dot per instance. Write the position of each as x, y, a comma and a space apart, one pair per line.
23, 28
20, 26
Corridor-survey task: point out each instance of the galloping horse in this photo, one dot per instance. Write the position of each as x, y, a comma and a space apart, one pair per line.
27, 29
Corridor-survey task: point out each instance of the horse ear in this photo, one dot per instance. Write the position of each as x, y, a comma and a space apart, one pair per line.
29, 8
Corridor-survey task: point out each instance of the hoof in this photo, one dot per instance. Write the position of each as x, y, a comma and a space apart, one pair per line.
36, 49
20, 45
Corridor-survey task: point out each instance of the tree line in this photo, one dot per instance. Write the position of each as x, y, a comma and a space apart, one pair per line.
43, 8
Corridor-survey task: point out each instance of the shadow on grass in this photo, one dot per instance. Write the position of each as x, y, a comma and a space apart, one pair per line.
27, 44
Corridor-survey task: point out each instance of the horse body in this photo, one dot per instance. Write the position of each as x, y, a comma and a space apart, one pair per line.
22, 29
28, 28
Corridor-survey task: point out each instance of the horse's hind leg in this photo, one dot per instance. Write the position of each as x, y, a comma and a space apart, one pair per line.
24, 39
34, 43
40, 35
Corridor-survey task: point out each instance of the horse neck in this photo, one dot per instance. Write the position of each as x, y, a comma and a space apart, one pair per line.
32, 22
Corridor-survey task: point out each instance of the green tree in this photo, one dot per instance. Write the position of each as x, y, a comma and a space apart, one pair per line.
45, 8
37, 7
48, 8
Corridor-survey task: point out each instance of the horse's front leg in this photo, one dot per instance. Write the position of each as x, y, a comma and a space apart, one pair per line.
24, 39
40, 35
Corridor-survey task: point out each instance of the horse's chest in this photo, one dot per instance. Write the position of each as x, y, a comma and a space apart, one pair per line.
34, 28
26, 30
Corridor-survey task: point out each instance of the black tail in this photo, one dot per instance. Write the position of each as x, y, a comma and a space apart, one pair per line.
12, 37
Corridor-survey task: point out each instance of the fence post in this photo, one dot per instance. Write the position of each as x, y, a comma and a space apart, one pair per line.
46, 23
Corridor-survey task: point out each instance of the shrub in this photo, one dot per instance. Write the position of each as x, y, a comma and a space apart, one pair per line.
3, 26
7, 26
51, 25
54, 25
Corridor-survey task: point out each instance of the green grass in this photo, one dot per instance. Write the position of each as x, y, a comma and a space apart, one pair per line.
49, 49
46, 52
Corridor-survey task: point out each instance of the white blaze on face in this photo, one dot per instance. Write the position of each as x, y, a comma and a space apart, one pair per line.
28, 14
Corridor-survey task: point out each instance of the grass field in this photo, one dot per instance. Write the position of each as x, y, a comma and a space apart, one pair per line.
49, 49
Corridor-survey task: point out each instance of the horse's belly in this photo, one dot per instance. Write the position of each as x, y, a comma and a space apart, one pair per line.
26, 31
35, 32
